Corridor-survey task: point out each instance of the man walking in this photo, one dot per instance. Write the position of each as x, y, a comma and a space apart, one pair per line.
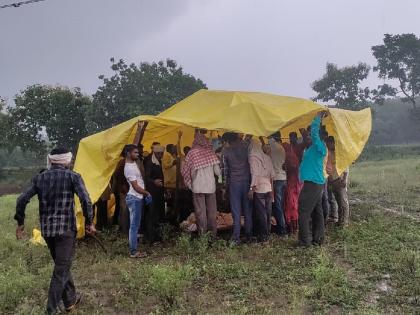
310, 199
238, 178
278, 157
55, 188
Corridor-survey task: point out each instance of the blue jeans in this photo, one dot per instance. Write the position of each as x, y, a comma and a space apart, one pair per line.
239, 203
135, 207
278, 209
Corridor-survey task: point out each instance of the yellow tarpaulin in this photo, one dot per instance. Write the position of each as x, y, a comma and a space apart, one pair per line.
37, 238
259, 114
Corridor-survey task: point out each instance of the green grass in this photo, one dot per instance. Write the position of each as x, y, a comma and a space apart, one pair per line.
389, 152
393, 184
197, 276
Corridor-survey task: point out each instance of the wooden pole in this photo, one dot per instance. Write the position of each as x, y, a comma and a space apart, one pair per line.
141, 128
178, 170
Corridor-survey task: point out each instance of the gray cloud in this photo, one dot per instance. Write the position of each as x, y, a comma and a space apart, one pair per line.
273, 46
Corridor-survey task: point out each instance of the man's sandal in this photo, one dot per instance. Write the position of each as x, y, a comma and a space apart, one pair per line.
139, 255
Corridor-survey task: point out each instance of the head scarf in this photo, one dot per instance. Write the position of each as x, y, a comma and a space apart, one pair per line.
260, 162
201, 142
60, 159
200, 156
157, 149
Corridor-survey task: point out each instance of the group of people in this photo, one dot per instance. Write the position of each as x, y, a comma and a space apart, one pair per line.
295, 182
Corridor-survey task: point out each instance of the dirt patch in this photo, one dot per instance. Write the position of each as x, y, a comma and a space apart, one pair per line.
10, 190
383, 287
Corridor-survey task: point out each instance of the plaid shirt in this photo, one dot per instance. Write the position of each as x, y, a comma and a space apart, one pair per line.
55, 189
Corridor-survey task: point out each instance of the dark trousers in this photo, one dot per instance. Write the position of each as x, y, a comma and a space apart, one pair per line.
340, 194
240, 204
154, 216
115, 218
310, 210
325, 203
101, 214
333, 204
262, 207
62, 286
278, 210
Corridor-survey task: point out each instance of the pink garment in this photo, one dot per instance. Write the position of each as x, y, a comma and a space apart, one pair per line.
330, 163
293, 187
262, 171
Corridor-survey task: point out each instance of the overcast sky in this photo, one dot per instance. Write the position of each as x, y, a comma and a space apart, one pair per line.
275, 46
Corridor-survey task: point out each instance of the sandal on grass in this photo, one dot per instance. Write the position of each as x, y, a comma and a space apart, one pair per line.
138, 255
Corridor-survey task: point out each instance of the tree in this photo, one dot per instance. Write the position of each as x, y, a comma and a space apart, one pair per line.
45, 115
133, 90
342, 86
399, 59
4, 123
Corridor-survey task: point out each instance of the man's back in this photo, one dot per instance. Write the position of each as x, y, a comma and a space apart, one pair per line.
236, 163
312, 166
55, 189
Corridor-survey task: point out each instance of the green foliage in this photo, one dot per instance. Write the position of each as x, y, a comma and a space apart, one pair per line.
17, 158
399, 59
45, 115
169, 282
148, 88
342, 86
5, 127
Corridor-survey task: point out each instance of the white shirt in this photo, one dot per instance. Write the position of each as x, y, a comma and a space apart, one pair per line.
203, 181
132, 173
278, 156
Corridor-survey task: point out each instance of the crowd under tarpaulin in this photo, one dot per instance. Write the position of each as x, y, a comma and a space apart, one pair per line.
248, 113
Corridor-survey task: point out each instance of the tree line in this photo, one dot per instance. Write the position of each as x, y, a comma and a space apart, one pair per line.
398, 65
43, 116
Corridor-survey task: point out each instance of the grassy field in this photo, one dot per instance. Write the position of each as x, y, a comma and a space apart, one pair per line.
373, 267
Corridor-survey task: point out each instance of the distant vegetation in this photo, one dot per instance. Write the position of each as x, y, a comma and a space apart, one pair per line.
394, 123
389, 152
